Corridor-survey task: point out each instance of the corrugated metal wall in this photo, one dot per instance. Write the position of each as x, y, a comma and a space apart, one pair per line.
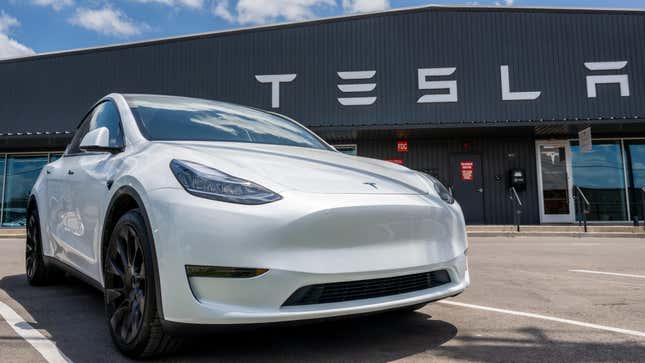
499, 155
545, 50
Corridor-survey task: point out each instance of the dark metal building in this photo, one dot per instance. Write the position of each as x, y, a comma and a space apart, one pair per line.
468, 94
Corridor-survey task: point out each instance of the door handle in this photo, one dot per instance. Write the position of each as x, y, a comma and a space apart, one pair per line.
481, 190
70, 172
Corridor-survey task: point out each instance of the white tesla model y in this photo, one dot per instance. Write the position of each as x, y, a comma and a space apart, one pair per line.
189, 214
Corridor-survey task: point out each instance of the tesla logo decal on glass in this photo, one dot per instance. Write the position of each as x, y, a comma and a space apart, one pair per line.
373, 185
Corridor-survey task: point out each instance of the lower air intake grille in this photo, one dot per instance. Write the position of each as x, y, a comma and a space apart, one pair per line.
365, 289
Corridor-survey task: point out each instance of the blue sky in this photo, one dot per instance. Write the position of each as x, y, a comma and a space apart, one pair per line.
37, 26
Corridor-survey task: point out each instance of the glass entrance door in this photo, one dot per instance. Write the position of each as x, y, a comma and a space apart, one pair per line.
554, 178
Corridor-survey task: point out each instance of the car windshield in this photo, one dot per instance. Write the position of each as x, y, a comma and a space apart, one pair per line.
172, 118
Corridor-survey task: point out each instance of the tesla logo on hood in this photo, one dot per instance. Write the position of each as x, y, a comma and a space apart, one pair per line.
373, 185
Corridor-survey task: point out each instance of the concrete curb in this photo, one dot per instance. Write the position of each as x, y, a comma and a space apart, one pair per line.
13, 233
558, 234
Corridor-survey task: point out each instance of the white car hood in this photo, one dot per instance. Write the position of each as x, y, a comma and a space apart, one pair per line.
308, 170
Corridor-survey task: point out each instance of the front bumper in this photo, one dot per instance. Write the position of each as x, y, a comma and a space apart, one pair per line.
304, 239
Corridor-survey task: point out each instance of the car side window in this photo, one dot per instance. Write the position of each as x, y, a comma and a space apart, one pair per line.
104, 114
107, 115
83, 129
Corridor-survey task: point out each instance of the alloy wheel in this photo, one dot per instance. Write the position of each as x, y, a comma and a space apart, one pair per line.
31, 250
125, 284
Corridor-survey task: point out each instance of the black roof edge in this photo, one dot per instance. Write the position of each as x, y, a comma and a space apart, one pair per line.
285, 25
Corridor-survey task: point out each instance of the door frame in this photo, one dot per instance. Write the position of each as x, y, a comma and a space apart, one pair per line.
564, 218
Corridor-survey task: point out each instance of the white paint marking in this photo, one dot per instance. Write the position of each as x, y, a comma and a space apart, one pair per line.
44, 346
549, 318
609, 273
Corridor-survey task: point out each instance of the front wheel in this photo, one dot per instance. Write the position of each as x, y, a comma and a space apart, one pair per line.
38, 274
130, 291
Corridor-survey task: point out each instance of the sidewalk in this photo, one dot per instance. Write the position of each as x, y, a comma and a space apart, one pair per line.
572, 230
13, 233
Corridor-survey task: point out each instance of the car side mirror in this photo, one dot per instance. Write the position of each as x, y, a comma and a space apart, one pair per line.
98, 140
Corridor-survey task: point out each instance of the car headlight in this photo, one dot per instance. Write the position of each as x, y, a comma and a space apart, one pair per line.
444, 193
210, 183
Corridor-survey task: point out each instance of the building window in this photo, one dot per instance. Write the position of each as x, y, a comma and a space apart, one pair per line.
600, 175
635, 150
20, 176
349, 149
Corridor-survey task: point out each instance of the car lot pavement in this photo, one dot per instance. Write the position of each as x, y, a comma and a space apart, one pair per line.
516, 277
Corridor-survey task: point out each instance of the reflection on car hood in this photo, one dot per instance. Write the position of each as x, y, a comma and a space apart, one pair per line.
304, 169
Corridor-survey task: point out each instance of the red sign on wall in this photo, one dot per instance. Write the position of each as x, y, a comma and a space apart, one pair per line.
466, 170
395, 161
402, 146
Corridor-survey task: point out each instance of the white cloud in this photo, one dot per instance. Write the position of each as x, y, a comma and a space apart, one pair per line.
265, 11
195, 4
220, 8
107, 21
365, 6
504, 3
7, 22
55, 4
10, 48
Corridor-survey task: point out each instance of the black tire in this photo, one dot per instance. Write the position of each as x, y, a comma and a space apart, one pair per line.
130, 291
38, 274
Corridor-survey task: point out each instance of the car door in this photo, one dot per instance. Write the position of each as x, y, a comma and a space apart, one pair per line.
63, 222
87, 177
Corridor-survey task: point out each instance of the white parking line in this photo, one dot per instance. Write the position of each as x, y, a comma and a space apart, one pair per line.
550, 318
44, 346
609, 273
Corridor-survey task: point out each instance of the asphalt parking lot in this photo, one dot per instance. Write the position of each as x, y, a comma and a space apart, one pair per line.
531, 299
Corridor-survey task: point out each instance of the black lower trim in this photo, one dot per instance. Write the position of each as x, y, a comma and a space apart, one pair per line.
367, 289
188, 329
52, 261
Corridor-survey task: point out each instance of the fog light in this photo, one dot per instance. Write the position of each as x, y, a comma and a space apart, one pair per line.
223, 272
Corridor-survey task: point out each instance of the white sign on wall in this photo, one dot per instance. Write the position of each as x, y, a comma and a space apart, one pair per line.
585, 140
